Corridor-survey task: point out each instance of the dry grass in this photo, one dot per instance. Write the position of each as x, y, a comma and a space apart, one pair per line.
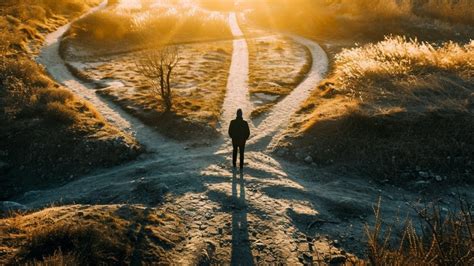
276, 66
198, 88
119, 30
400, 72
457, 11
219, 5
367, 19
23, 22
394, 109
446, 238
90, 235
43, 124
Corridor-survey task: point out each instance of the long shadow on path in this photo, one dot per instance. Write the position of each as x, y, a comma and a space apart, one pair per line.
241, 253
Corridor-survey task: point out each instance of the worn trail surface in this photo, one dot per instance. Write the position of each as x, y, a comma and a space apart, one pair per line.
268, 213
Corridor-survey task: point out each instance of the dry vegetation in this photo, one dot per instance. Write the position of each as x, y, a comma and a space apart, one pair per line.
446, 238
41, 122
90, 235
362, 20
276, 66
198, 86
399, 109
24, 22
116, 30
219, 5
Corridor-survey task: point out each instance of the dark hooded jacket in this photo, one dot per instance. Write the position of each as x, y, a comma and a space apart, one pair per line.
239, 130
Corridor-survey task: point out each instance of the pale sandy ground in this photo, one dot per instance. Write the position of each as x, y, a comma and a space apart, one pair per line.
273, 211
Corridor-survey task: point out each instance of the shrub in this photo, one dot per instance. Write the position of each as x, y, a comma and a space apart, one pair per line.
58, 112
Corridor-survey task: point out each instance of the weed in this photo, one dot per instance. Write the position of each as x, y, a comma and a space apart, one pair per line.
446, 238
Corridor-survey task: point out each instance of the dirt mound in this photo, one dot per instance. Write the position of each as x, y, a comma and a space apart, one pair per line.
402, 147
91, 234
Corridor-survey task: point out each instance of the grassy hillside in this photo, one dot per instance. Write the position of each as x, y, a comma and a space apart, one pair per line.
397, 109
115, 29
90, 235
365, 20
48, 135
397, 102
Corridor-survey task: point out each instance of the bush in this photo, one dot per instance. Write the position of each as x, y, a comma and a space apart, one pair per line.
58, 112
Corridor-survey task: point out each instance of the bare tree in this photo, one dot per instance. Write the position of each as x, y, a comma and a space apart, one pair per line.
157, 65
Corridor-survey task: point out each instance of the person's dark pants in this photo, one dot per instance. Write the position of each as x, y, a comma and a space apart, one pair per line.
241, 146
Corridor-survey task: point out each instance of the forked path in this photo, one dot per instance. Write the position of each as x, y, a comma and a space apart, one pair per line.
259, 215
56, 67
281, 113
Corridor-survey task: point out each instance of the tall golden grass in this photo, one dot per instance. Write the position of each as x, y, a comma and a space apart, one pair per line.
391, 107
178, 25
446, 238
25, 90
351, 18
24, 21
459, 11
405, 65
155, 26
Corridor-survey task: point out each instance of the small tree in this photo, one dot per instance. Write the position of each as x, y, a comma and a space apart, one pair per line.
157, 66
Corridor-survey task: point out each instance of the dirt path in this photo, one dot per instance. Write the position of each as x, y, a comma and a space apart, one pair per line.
54, 64
273, 211
281, 113
237, 95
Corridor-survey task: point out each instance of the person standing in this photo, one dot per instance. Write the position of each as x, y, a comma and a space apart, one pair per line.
239, 132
